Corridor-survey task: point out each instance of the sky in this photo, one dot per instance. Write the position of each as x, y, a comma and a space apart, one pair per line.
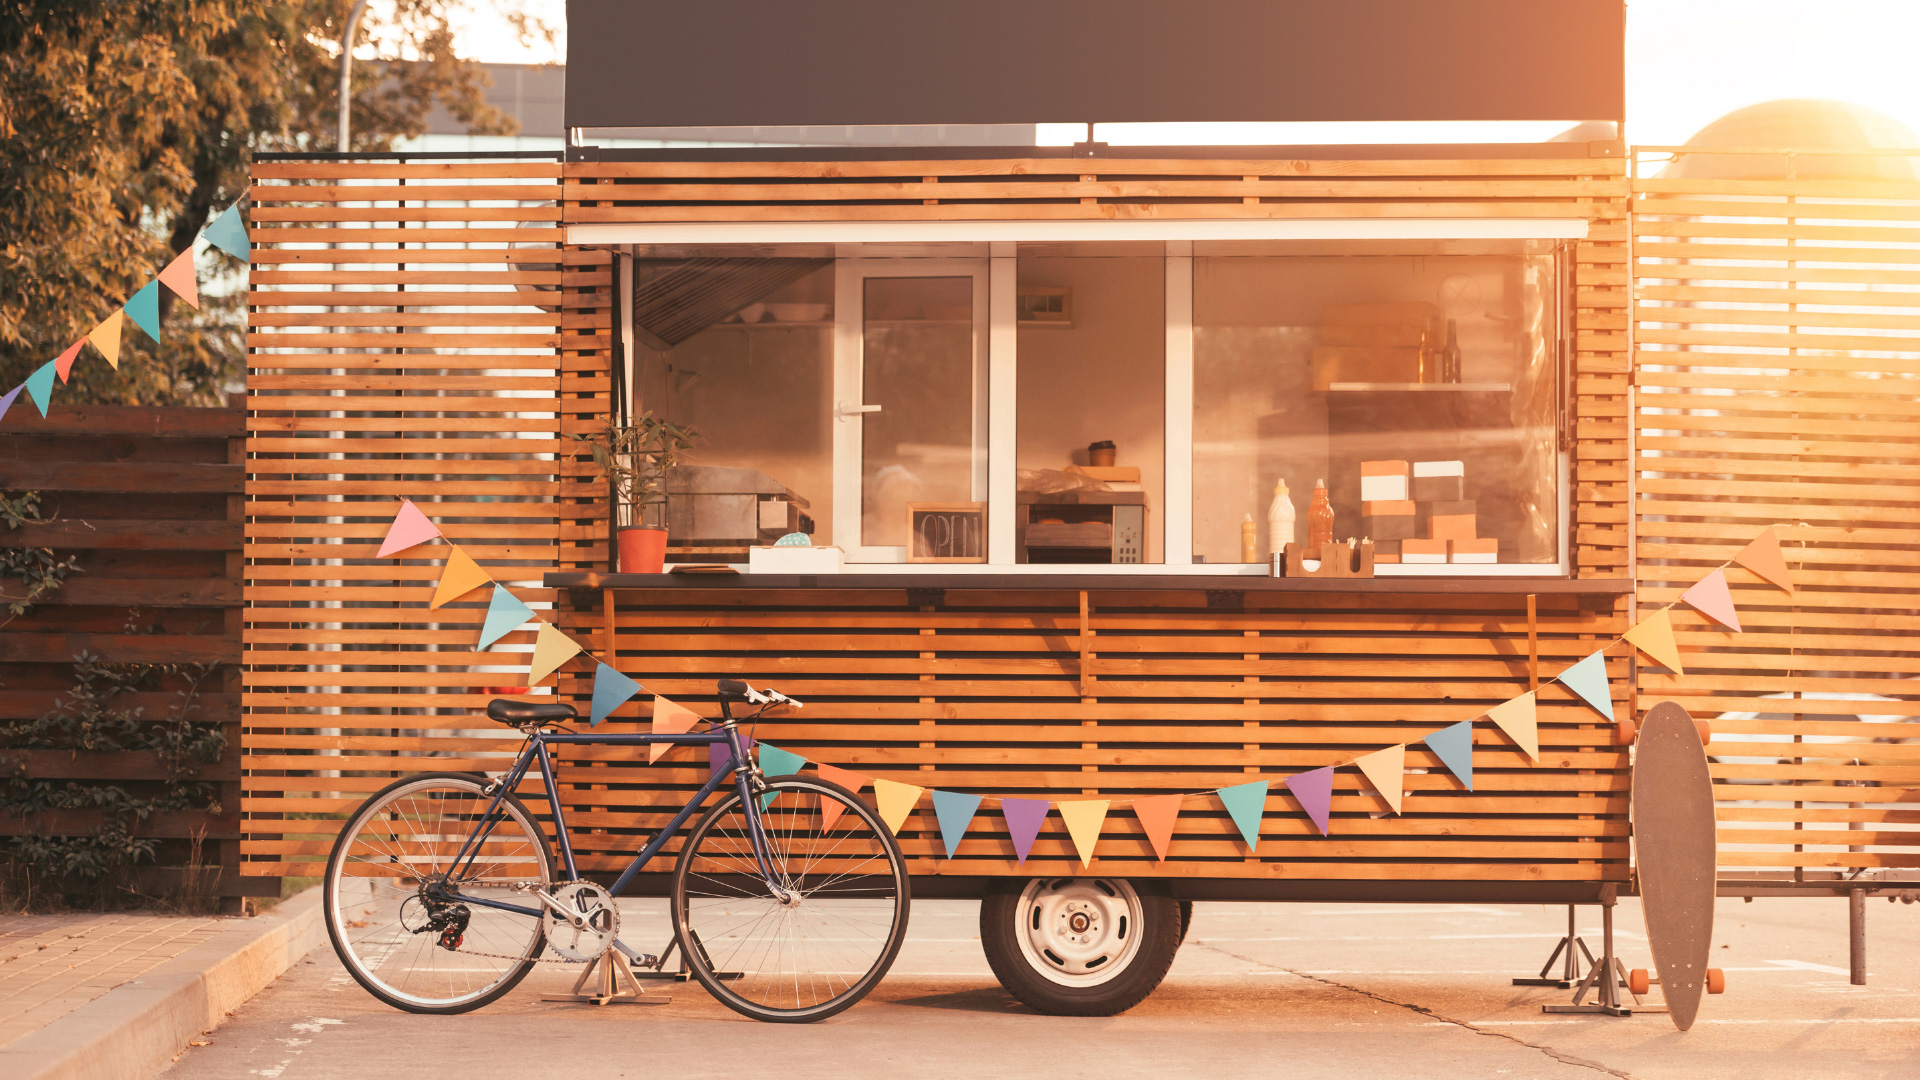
1688, 61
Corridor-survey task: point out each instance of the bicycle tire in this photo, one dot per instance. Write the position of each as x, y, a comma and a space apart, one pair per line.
851, 880
375, 935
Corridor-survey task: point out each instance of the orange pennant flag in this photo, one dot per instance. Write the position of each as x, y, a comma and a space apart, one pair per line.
106, 337
831, 809
669, 718
1763, 557
63, 364
1386, 770
460, 576
178, 276
1654, 636
1157, 813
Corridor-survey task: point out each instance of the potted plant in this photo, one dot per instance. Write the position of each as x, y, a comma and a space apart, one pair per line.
635, 459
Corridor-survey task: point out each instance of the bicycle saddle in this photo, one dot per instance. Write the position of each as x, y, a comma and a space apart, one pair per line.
528, 712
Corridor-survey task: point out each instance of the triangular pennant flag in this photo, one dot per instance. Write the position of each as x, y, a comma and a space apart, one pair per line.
955, 810
1711, 597
505, 614
1588, 678
720, 756
777, 762
1453, 745
1763, 557
460, 576
1653, 635
1386, 770
40, 386
1024, 819
1519, 719
1314, 791
144, 309
1084, 818
1157, 814
179, 277
831, 809
63, 364
1246, 803
410, 527
669, 718
895, 801
610, 691
551, 648
7, 402
106, 338
228, 234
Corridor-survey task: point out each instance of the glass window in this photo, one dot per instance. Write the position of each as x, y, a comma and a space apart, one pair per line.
917, 367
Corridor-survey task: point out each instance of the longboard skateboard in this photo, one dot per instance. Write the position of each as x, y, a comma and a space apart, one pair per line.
1674, 856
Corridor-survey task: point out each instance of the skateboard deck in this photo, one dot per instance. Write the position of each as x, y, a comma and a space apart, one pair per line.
1673, 844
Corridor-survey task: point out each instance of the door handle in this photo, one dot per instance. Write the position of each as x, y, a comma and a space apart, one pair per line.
847, 412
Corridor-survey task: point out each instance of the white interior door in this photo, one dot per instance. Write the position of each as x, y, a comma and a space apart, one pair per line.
910, 396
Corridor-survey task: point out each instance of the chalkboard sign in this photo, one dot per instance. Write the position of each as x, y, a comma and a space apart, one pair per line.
947, 532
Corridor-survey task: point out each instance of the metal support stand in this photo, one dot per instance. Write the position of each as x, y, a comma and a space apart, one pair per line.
1570, 970
615, 985
1857, 936
1605, 977
683, 973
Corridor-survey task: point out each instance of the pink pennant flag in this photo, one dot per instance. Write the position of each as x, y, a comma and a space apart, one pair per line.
410, 527
1314, 790
1711, 597
669, 718
63, 364
178, 276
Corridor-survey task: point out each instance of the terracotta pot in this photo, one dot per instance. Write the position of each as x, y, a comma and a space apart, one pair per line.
642, 550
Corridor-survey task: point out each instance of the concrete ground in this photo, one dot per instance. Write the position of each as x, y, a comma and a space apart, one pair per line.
1299, 991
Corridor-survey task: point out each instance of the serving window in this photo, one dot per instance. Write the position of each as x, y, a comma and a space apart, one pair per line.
1110, 405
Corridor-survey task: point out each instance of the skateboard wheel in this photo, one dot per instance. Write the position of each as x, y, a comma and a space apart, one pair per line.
1624, 731
1716, 981
1705, 728
1638, 982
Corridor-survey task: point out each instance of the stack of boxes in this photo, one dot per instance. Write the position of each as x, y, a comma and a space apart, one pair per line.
1396, 499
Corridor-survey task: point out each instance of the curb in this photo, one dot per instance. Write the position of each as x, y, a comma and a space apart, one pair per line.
139, 1027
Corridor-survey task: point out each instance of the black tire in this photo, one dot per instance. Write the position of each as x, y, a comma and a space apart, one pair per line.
373, 934
797, 962
1062, 967
1186, 919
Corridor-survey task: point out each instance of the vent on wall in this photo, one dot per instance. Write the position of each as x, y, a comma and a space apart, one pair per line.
674, 299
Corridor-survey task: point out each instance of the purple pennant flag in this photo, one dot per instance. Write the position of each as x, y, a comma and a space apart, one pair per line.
1024, 818
1314, 790
720, 755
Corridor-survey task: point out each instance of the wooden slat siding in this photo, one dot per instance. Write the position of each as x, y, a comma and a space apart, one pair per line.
1802, 417
147, 500
468, 432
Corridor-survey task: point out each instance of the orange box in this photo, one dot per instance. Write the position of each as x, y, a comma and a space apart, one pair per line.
1384, 468
1378, 508
1452, 527
1423, 551
1379, 559
1479, 550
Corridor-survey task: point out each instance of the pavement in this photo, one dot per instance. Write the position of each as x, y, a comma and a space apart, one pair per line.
1304, 991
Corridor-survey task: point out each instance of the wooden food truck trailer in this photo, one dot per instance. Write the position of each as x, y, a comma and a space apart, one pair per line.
1025, 402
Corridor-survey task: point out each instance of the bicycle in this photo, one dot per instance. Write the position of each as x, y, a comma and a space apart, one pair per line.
783, 910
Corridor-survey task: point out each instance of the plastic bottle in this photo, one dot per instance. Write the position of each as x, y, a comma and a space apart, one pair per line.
1280, 519
1249, 540
1320, 517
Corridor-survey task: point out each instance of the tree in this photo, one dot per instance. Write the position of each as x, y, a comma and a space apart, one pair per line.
124, 124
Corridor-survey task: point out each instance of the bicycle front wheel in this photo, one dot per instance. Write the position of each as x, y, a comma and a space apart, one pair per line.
823, 946
405, 946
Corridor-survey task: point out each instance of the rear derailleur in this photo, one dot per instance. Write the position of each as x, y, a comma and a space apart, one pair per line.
448, 918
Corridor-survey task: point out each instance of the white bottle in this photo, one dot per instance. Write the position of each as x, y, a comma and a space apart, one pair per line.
1279, 519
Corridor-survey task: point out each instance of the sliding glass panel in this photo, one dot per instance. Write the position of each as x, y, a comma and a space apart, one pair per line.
917, 367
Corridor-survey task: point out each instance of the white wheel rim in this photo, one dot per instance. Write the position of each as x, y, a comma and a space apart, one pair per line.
1078, 931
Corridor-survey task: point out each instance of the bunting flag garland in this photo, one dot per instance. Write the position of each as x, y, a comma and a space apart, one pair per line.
460, 576
1024, 819
720, 756
179, 278
1711, 597
505, 614
955, 812
7, 402
40, 387
1588, 678
669, 718
228, 233
1386, 771
410, 528
106, 338
144, 309
895, 801
1519, 719
1246, 803
777, 762
1762, 556
1453, 745
831, 809
551, 648
1313, 790
1084, 818
63, 364
610, 691
1157, 814
1653, 635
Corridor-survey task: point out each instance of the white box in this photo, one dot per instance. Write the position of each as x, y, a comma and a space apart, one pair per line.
793, 560
1384, 488
1471, 557
1417, 557
1439, 468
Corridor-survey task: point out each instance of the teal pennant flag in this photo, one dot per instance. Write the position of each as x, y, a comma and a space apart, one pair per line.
1245, 804
505, 614
144, 309
1453, 745
777, 762
40, 386
955, 811
610, 691
1588, 678
229, 235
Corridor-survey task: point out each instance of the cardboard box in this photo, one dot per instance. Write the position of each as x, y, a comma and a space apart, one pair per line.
1379, 527
1385, 560
1447, 507
1383, 489
1423, 551
793, 560
1477, 550
1120, 474
1388, 508
1452, 527
1365, 364
1438, 488
1386, 547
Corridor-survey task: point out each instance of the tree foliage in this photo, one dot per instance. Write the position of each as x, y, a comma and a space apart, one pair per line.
124, 124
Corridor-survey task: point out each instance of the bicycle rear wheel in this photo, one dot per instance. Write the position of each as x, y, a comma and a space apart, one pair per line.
393, 941
810, 956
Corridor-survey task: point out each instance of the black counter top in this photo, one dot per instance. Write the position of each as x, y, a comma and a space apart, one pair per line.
1426, 586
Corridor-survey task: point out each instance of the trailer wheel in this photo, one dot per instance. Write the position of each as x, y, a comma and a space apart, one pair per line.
1080, 946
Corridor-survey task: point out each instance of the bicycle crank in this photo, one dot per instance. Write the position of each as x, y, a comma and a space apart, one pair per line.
581, 919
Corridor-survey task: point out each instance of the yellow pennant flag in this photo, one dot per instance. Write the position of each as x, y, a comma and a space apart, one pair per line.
1517, 718
106, 337
896, 802
1385, 770
460, 576
1083, 820
669, 718
1654, 636
551, 648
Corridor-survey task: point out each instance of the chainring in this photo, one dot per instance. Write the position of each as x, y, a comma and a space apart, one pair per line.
599, 921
